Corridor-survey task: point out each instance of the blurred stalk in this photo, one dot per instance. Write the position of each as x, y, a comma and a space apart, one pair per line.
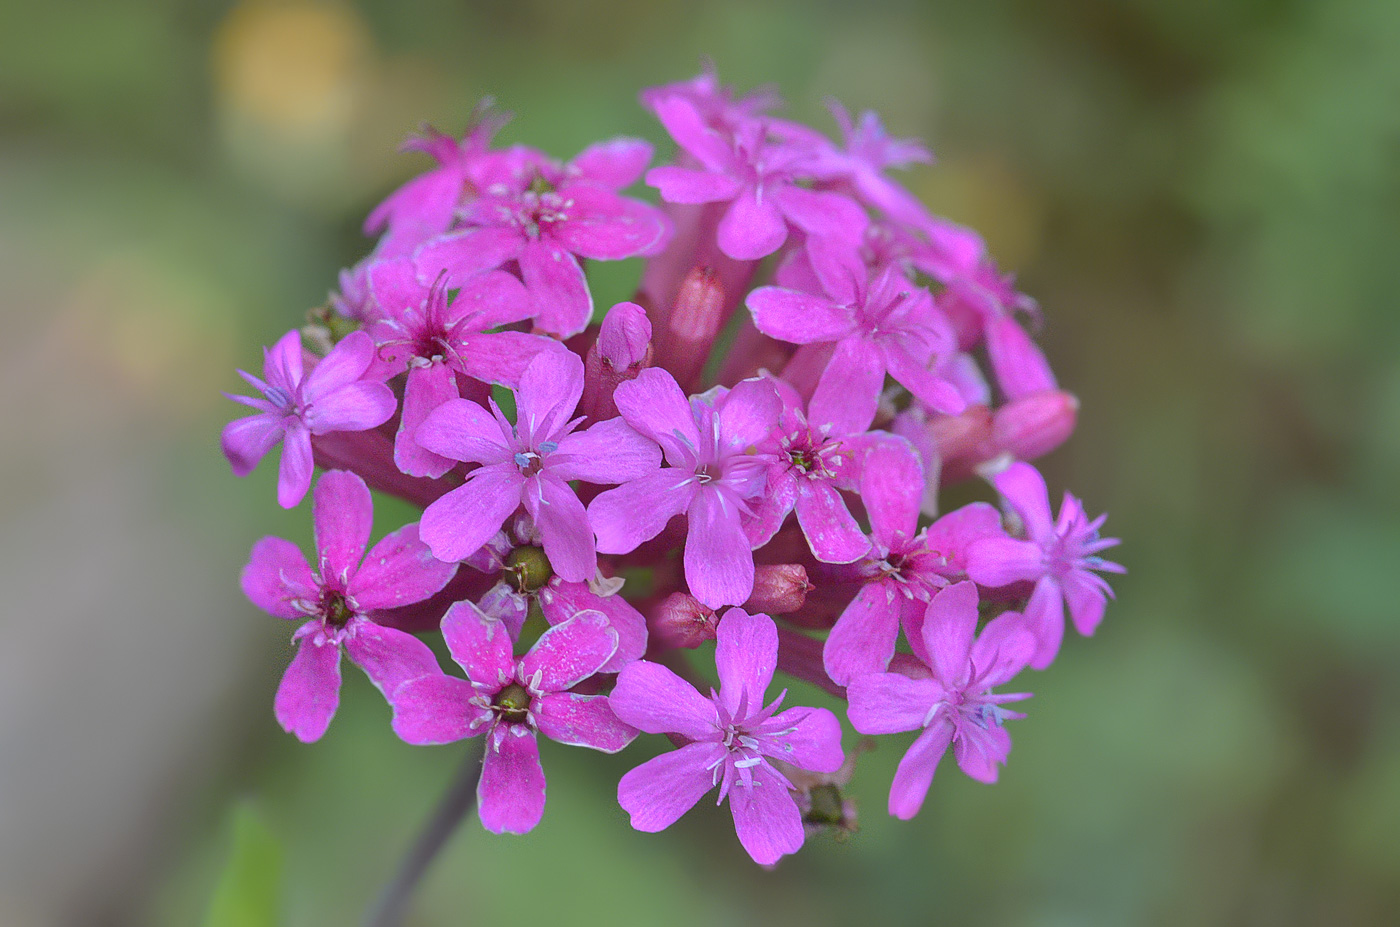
455, 805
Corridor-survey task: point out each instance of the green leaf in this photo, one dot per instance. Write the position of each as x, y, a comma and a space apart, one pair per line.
250, 888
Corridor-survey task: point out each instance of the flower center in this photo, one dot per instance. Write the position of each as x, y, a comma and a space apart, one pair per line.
336, 611
512, 704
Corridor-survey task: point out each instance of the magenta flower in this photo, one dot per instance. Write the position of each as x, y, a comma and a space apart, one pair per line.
869, 149
733, 738
881, 325
418, 329
530, 463
954, 703
546, 231
510, 701
756, 175
293, 407
1059, 556
712, 478
904, 569
340, 598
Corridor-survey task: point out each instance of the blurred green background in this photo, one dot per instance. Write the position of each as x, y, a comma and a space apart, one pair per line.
1204, 197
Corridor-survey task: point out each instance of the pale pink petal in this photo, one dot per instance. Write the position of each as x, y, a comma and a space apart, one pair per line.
426, 390
683, 185
499, 357
549, 392
388, 656
636, 511
938, 393
462, 430
456, 525
510, 793
354, 407
480, 645
1000, 561
953, 534
495, 298
342, 514
798, 318
652, 698
277, 578
862, 640
949, 626
345, 364
569, 653
823, 216
582, 721
558, 288
748, 413
245, 441
718, 560
564, 528
295, 469
654, 405
1045, 616
606, 453
310, 690
1024, 488
848, 392
1085, 593
745, 656
465, 254
766, 816
562, 600
831, 530
1003, 649
685, 124
1021, 368
752, 227
615, 163
665, 787
399, 570
437, 709
283, 362
915, 773
979, 752
394, 286
808, 738
603, 226
889, 703
891, 487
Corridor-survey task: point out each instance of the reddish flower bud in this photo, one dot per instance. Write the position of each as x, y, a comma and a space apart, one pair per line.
621, 351
682, 621
778, 588
691, 329
1035, 425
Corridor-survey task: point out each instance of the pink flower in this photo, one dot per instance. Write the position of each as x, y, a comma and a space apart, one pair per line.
869, 150
510, 702
1059, 556
293, 407
340, 599
530, 463
953, 703
733, 738
712, 478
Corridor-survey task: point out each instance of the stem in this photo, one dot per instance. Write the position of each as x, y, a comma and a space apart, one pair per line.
456, 803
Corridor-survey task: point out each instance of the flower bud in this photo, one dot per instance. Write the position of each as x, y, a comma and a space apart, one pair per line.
625, 336
1035, 425
692, 326
681, 621
778, 588
963, 441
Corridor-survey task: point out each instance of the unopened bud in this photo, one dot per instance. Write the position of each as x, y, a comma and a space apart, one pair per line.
692, 327
963, 441
1035, 425
625, 336
682, 621
778, 588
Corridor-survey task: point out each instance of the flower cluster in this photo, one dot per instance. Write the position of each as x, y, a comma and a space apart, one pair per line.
605, 495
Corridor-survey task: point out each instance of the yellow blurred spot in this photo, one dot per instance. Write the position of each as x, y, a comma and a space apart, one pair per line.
988, 194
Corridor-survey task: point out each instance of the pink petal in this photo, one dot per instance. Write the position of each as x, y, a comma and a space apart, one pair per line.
752, 227
399, 570
345, 364
437, 709
294, 470
1084, 592
938, 393
569, 653
615, 163
564, 528
654, 405
394, 286
798, 318
495, 298
1024, 488
388, 656
310, 690
949, 626
748, 413
685, 125
499, 357
889, 703
915, 773
582, 721
862, 640
427, 389
718, 560
891, 487
283, 363
558, 288
745, 655
766, 816
562, 600
812, 739
603, 226
1000, 561
831, 531
848, 392
683, 185
277, 577
549, 392
636, 511
1003, 649
651, 698
1021, 368
357, 406
665, 787
979, 752
1045, 616
953, 534
480, 645
456, 525
343, 514
608, 452
510, 793
823, 216
465, 254
245, 441
462, 430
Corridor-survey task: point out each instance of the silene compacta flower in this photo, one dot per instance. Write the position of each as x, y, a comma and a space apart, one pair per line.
616, 502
